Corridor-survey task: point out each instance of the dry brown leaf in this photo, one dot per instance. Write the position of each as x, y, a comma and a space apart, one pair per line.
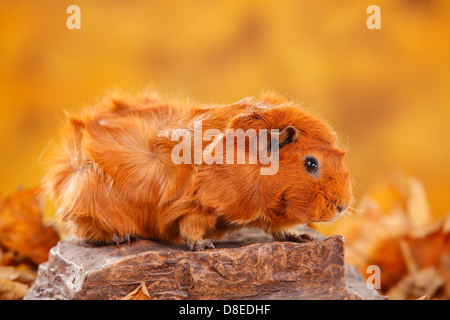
140, 293
20, 274
145, 290
403, 241
418, 208
424, 282
21, 227
130, 295
408, 258
432, 245
15, 281
12, 290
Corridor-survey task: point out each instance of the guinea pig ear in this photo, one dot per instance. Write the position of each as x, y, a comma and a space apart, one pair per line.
288, 135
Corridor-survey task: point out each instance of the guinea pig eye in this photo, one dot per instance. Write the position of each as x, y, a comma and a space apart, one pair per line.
311, 164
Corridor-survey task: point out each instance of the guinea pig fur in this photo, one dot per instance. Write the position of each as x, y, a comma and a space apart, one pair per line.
112, 175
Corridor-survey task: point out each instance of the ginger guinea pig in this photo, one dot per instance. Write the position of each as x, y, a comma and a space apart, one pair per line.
131, 167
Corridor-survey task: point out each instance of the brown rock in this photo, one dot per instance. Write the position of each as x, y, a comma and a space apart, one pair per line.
234, 270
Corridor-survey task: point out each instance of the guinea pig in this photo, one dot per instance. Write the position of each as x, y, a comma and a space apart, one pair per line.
116, 173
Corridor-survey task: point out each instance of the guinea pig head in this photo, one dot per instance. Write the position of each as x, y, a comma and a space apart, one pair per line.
312, 183
327, 185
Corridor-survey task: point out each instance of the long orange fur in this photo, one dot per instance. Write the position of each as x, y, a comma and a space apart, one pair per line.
112, 174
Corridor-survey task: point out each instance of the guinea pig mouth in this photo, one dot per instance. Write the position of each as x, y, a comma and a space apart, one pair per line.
328, 216
337, 216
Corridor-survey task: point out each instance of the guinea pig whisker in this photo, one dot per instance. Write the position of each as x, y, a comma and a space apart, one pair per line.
309, 192
350, 213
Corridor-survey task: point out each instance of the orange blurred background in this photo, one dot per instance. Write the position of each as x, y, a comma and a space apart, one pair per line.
386, 92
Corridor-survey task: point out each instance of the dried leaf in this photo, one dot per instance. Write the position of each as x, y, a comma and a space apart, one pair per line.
411, 264
12, 290
21, 228
130, 295
403, 241
20, 274
418, 208
423, 282
144, 289
140, 293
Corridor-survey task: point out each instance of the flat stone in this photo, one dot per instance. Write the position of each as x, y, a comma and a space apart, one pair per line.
248, 269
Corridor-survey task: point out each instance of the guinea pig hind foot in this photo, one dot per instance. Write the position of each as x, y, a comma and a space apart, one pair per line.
200, 245
299, 238
119, 239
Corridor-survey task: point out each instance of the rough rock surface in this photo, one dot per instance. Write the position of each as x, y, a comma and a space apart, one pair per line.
253, 269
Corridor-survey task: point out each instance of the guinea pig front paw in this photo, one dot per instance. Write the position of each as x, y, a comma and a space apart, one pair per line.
200, 245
